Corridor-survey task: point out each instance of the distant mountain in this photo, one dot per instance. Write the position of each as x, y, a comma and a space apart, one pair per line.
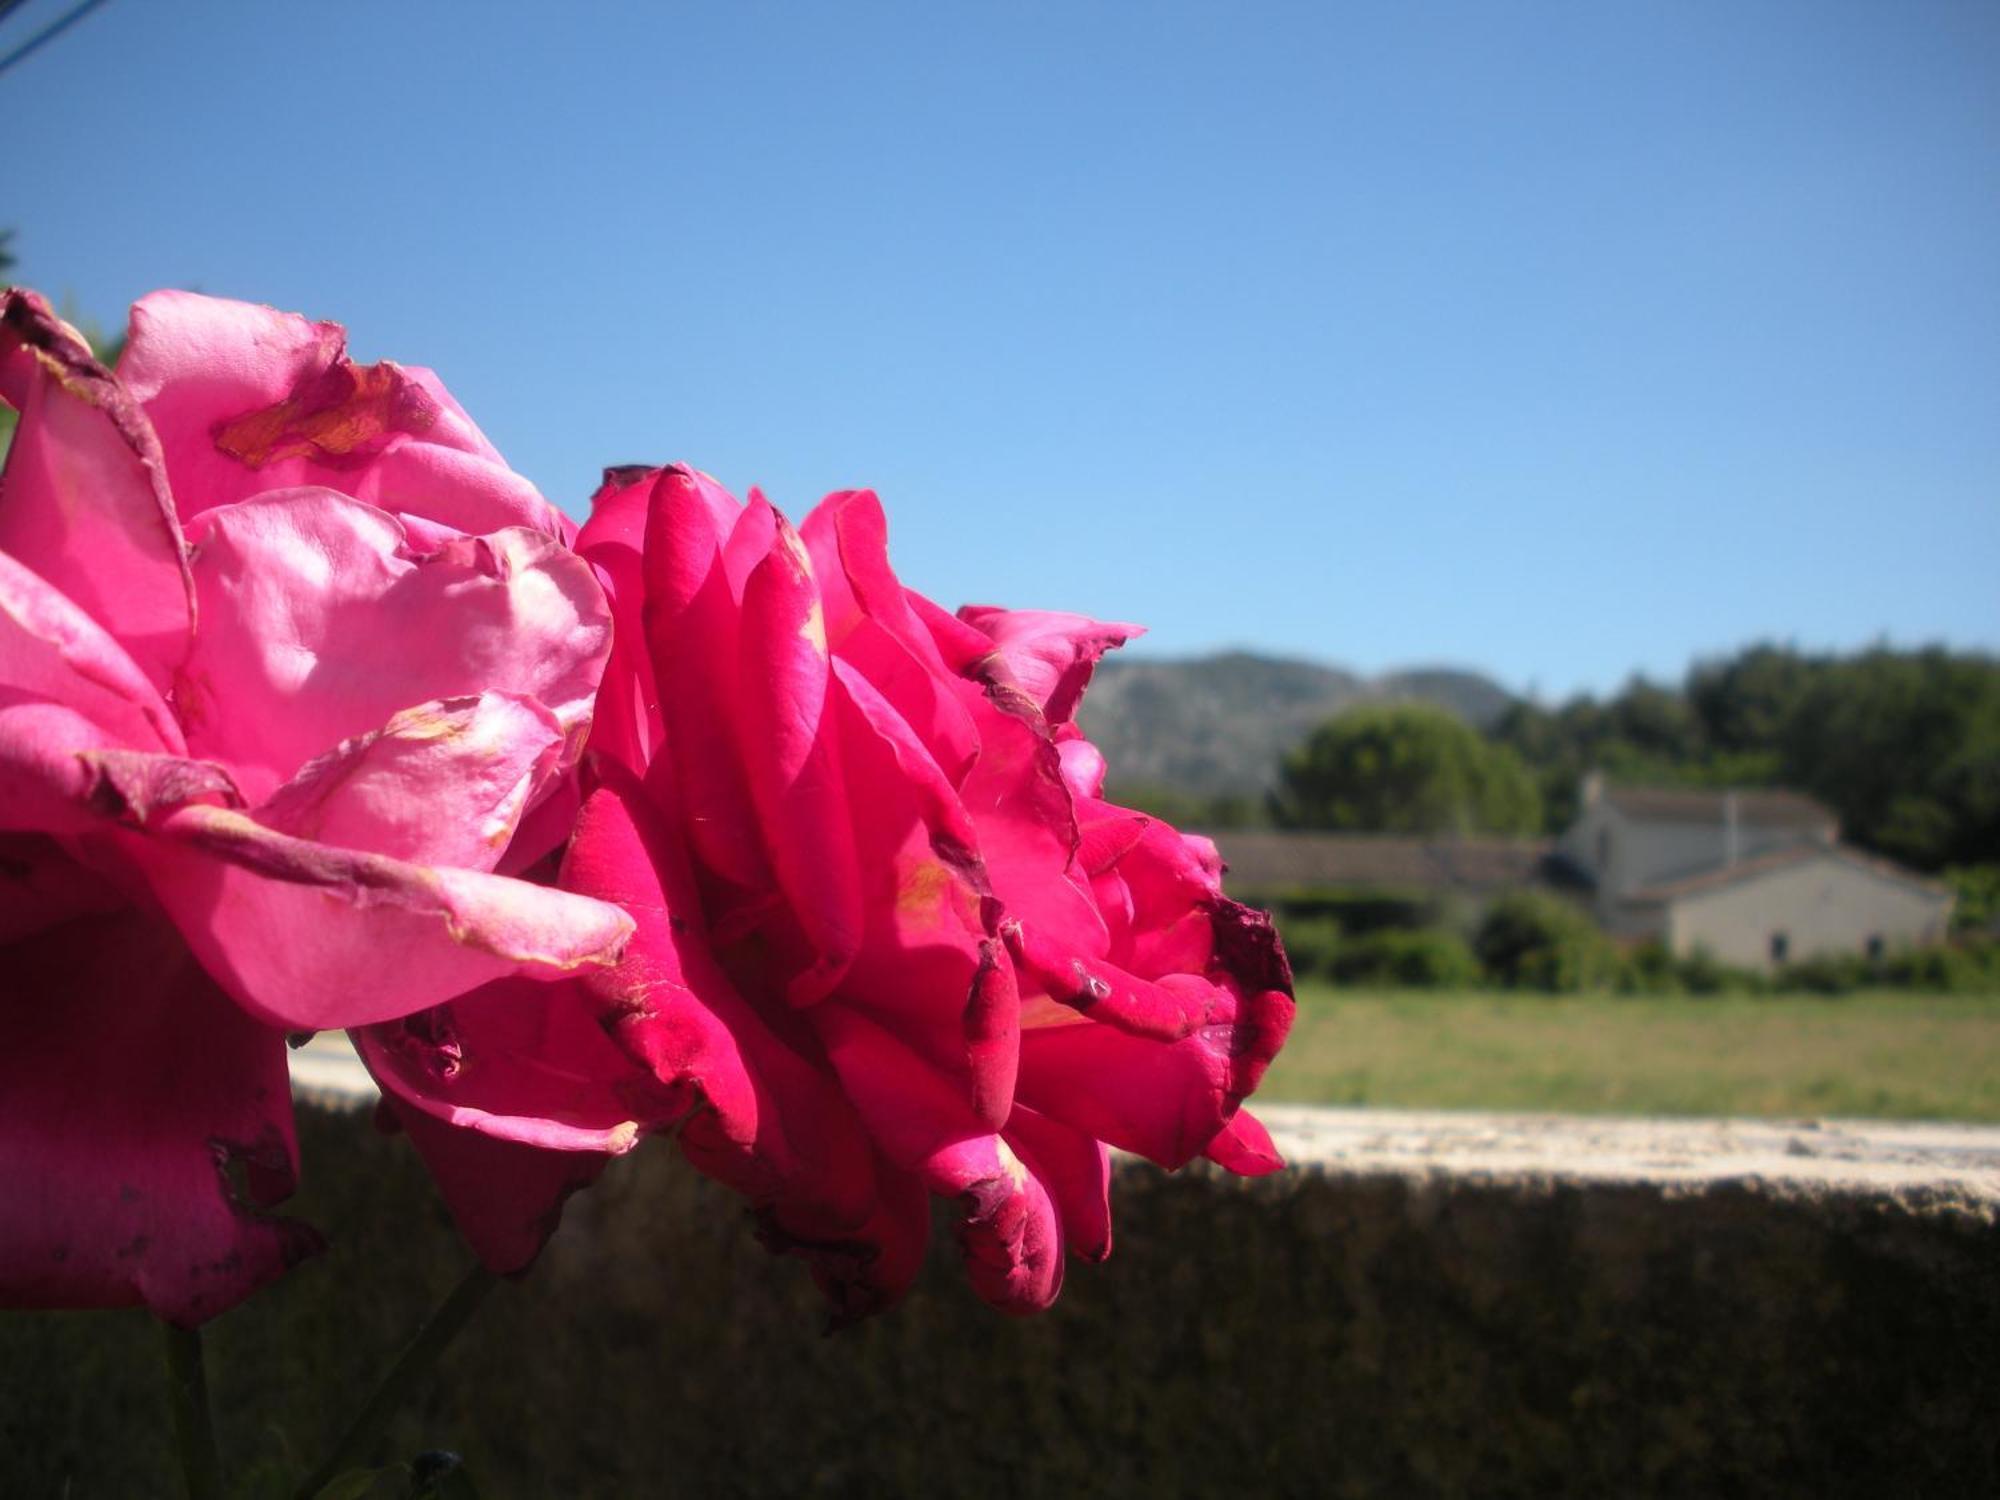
1215, 725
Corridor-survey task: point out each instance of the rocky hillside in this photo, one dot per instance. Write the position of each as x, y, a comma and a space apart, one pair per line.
1216, 725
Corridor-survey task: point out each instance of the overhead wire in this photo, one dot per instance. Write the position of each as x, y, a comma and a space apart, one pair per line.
47, 34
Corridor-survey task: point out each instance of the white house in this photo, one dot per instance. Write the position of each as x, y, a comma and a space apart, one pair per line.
1755, 878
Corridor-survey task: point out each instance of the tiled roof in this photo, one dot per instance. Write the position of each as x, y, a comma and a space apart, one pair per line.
1267, 860
1763, 809
1778, 859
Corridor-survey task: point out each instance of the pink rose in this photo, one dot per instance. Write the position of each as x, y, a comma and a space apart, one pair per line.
290, 662
892, 942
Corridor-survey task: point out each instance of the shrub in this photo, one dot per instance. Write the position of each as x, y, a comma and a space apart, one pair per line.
1428, 958
1532, 940
1312, 943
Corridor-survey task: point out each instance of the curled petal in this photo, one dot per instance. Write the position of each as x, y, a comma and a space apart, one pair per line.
249, 399
1245, 1147
443, 783
1046, 654
505, 1197
86, 503
316, 938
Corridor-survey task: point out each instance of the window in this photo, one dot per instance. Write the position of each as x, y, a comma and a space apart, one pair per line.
1875, 946
1781, 947
1604, 848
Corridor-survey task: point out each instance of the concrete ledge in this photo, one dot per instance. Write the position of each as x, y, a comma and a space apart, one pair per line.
1437, 1305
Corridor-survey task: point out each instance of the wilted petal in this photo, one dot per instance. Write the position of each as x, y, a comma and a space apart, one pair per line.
148, 1128
518, 1060
317, 938
1076, 1170
505, 1197
443, 783
319, 623
1245, 1147
1046, 654
249, 399
85, 504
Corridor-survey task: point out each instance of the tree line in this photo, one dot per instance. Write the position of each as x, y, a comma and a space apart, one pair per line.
1903, 746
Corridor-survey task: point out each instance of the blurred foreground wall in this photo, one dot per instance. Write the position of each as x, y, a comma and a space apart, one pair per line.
1436, 1307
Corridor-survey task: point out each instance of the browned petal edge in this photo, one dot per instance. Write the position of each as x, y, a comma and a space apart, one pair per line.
28, 322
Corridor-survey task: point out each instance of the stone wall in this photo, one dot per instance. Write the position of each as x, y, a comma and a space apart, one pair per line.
1430, 1306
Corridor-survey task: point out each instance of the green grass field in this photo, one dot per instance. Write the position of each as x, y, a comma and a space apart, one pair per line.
1876, 1053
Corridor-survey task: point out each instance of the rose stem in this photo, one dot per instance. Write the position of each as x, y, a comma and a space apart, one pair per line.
187, 1386
411, 1366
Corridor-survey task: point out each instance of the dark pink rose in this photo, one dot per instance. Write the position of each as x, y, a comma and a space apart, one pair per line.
289, 664
892, 941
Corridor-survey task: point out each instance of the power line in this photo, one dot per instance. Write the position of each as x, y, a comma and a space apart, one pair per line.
47, 34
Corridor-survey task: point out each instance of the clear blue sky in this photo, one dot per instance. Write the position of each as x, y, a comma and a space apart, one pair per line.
1557, 340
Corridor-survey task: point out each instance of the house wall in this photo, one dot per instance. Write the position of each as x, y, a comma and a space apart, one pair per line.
1654, 852
1825, 905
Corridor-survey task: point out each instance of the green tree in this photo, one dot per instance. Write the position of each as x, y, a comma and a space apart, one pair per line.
1404, 768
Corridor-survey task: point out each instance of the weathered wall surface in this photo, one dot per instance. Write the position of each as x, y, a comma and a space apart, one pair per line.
1826, 905
1419, 1315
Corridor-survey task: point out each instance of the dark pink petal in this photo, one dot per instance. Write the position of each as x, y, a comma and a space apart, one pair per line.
1076, 1170
791, 758
920, 1119
761, 1115
627, 723
319, 623
84, 502
42, 886
148, 1128
692, 621
1027, 830
871, 626
518, 1060
316, 938
1046, 654
1174, 1007
506, 1198
248, 399
1244, 1146
1163, 1100
443, 783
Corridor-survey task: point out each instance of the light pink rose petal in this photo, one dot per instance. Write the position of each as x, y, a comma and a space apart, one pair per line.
316, 938
319, 623
1046, 654
443, 783
249, 399
148, 1128
51, 650
86, 505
